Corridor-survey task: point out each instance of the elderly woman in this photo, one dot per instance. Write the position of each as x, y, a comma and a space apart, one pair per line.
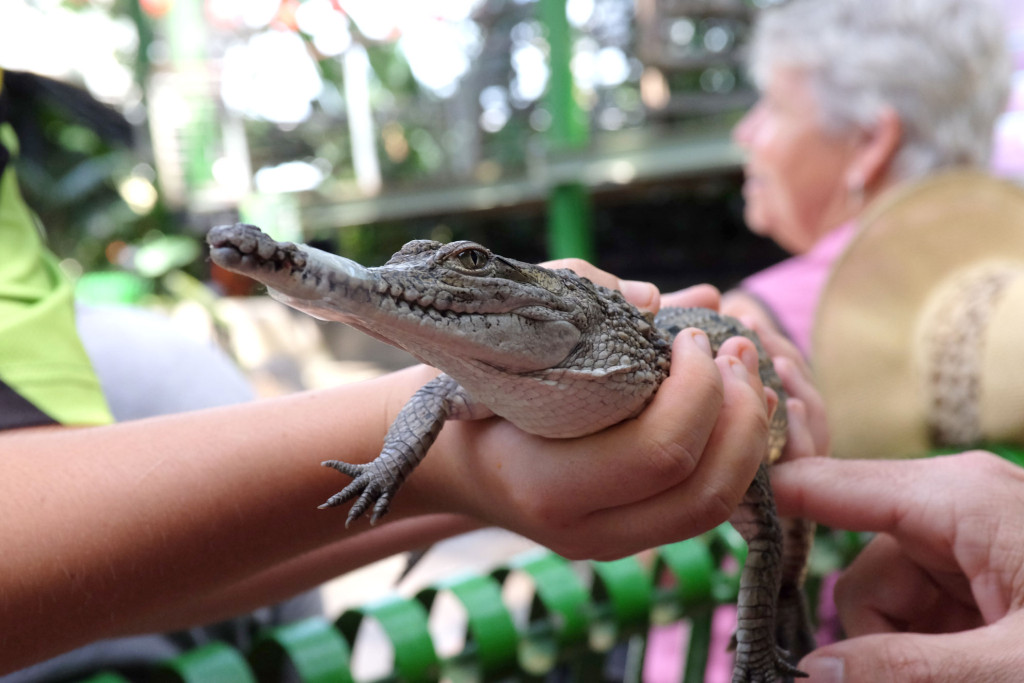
856, 97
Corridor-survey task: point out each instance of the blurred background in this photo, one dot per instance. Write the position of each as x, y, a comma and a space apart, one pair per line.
541, 128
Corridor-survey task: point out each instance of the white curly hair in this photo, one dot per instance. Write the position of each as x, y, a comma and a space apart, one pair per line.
942, 65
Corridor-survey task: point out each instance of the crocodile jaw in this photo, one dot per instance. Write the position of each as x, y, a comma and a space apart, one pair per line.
394, 303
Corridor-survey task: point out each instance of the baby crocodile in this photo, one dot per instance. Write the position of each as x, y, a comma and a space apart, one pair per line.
549, 351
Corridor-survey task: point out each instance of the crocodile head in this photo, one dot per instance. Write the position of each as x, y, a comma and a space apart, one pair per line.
445, 303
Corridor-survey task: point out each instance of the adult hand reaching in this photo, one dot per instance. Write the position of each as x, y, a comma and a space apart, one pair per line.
939, 595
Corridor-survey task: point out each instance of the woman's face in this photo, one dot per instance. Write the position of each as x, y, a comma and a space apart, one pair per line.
796, 187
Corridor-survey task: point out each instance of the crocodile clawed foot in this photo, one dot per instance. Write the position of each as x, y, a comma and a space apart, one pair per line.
793, 630
767, 669
372, 487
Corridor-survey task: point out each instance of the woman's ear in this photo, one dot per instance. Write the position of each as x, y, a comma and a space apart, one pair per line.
872, 163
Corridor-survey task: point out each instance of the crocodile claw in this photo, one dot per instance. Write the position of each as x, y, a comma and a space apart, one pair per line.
767, 668
371, 483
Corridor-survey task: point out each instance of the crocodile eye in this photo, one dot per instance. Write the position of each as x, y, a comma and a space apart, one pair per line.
472, 258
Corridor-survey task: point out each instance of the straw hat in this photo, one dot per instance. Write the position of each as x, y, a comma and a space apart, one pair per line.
919, 334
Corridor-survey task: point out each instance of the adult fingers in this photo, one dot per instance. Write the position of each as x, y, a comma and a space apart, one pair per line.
777, 344
909, 497
910, 598
800, 440
807, 432
700, 296
741, 305
992, 654
798, 380
949, 515
744, 350
643, 295
836, 492
800, 386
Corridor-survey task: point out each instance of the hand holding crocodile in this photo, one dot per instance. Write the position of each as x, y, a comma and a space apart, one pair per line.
552, 353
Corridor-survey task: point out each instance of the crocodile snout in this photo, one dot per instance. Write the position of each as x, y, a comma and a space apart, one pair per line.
246, 247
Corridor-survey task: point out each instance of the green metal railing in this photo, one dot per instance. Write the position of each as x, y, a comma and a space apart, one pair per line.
578, 612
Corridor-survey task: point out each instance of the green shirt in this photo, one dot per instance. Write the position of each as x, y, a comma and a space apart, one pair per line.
45, 374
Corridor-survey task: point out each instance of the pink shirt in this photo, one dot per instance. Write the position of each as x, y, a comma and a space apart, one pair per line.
791, 289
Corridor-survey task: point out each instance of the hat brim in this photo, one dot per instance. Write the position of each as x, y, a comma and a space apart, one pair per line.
911, 241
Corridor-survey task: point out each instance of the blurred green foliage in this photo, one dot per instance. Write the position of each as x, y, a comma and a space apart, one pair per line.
77, 154
74, 153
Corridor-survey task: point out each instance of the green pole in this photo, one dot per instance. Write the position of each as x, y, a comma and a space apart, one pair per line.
186, 37
569, 214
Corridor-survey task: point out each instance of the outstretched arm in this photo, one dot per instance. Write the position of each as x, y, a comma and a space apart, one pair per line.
118, 525
118, 529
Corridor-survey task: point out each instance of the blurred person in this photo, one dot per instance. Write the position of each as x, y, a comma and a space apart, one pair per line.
149, 525
866, 157
860, 104
856, 99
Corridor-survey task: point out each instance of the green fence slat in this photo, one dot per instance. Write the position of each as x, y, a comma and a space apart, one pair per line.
560, 593
1014, 454
405, 623
214, 662
559, 612
726, 584
699, 647
693, 565
567, 624
734, 544
313, 646
106, 677
492, 634
628, 588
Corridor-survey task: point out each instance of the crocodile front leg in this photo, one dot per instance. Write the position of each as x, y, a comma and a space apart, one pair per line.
405, 446
758, 657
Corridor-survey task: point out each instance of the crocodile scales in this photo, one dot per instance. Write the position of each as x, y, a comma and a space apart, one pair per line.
551, 352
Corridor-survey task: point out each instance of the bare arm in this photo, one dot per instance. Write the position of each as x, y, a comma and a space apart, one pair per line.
181, 519
107, 530
298, 574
